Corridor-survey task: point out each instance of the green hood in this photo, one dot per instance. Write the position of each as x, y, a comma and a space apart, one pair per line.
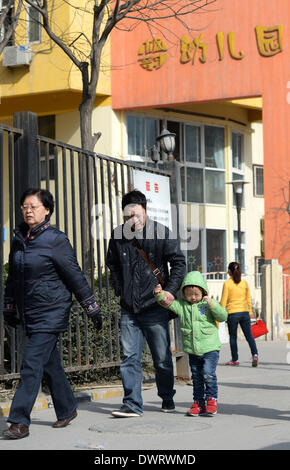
194, 278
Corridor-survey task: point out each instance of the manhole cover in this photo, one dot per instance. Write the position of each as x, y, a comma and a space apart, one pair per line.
183, 425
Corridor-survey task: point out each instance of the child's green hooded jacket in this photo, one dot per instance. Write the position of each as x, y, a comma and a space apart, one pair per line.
198, 321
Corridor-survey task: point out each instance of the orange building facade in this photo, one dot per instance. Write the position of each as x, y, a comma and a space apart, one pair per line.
234, 51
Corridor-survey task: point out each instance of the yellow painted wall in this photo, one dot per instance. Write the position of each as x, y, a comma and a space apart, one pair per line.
51, 83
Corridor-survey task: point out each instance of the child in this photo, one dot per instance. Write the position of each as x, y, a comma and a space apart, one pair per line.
198, 315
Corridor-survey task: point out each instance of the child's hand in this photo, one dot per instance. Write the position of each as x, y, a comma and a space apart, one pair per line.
158, 289
207, 299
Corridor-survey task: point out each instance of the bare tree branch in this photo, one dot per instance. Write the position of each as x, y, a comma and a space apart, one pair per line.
107, 15
8, 21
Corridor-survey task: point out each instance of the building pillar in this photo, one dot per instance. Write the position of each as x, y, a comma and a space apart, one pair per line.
272, 299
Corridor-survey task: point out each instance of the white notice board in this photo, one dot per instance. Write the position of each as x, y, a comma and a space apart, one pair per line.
157, 191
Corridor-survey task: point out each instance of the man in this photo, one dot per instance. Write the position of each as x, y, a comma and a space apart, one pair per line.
141, 316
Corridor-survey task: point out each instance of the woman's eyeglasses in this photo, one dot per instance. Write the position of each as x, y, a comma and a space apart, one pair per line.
27, 207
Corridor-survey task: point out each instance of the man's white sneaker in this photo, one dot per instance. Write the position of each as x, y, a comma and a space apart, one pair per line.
125, 412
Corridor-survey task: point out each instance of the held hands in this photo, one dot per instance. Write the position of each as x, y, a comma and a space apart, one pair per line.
157, 289
168, 297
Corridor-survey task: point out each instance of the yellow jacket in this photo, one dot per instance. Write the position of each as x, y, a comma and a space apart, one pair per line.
236, 297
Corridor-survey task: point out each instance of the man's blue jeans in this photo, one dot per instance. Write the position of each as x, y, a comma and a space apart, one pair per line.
243, 319
154, 326
203, 369
41, 359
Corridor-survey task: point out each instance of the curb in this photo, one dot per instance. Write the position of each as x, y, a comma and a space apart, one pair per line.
95, 395
46, 403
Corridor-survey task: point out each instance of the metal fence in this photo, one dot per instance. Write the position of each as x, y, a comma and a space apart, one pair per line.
8, 140
88, 189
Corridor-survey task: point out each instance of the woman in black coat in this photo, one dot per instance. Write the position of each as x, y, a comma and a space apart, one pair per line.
43, 274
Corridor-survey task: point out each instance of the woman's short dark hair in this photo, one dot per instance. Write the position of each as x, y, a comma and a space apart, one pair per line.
236, 271
43, 195
134, 197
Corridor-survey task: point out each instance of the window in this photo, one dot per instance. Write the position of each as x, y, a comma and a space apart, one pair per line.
199, 149
216, 250
236, 251
194, 184
192, 144
210, 255
214, 143
204, 164
237, 160
142, 133
173, 126
33, 33
194, 257
259, 261
258, 171
7, 22
237, 151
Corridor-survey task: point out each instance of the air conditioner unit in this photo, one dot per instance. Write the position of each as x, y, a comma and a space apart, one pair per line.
16, 56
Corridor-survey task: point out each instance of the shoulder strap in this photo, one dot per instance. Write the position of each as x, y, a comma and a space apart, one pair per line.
153, 268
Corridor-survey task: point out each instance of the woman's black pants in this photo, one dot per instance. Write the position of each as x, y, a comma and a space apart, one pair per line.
41, 359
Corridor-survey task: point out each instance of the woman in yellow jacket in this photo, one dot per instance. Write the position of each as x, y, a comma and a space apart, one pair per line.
236, 300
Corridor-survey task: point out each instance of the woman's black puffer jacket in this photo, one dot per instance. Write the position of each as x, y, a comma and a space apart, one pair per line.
43, 274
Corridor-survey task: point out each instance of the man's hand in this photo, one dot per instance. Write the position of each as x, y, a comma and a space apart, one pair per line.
158, 289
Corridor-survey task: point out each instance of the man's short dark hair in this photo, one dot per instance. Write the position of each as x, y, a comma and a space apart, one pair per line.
134, 197
43, 195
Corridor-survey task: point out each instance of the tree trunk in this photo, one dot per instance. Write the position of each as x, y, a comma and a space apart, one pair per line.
87, 143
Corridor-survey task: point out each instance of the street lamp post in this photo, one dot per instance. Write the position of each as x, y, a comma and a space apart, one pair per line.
238, 186
167, 144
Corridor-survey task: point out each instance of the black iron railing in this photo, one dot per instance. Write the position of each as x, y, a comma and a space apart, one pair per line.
87, 189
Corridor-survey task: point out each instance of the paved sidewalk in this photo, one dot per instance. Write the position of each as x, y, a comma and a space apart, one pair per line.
254, 413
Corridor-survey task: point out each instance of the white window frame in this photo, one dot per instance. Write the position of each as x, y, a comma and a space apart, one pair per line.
218, 275
134, 157
200, 165
255, 166
28, 20
234, 169
239, 172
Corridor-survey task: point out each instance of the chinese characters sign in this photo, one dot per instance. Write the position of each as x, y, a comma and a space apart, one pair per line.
269, 40
153, 52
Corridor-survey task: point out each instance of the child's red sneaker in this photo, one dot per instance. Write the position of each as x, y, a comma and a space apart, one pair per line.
232, 363
211, 406
196, 409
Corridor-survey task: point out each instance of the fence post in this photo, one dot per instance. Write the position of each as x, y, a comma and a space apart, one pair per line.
26, 157
272, 298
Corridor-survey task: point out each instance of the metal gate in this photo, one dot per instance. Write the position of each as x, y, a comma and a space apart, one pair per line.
88, 189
